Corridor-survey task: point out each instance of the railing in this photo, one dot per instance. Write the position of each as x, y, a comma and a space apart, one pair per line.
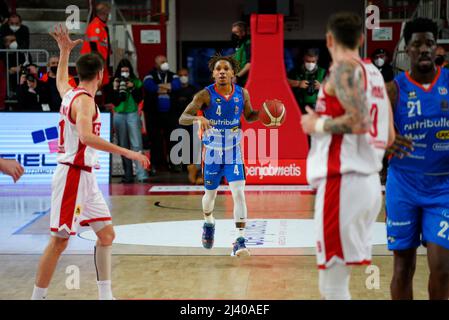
38, 57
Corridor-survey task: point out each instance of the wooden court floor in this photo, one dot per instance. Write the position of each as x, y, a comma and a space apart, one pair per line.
152, 272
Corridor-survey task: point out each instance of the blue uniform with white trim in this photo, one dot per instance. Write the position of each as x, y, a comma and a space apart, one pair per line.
222, 150
417, 190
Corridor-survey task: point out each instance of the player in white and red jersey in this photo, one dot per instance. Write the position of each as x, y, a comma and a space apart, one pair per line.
350, 130
76, 199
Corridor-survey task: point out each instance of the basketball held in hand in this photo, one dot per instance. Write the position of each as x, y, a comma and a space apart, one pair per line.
272, 114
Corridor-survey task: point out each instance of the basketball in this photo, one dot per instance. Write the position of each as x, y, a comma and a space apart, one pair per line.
272, 113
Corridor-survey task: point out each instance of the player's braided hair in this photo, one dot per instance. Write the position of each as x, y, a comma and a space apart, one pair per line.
218, 57
419, 25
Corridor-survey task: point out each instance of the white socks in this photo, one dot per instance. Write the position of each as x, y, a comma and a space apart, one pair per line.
209, 219
39, 293
105, 290
240, 232
334, 282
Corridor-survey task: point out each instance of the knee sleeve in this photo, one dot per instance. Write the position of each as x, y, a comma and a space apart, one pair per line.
209, 200
238, 195
334, 282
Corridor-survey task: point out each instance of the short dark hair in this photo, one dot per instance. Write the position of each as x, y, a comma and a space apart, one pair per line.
419, 25
88, 65
16, 15
312, 52
241, 24
213, 61
347, 27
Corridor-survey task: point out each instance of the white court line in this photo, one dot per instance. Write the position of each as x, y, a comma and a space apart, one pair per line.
188, 188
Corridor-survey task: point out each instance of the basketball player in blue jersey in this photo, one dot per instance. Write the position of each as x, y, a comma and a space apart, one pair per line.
417, 190
222, 105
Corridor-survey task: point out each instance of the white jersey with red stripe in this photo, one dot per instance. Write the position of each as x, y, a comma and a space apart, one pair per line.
71, 149
337, 154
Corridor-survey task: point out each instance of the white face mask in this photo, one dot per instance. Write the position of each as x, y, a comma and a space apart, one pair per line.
184, 79
379, 62
310, 66
165, 66
14, 28
13, 45
125, 74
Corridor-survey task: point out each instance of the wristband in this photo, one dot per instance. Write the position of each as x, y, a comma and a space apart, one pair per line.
319, 125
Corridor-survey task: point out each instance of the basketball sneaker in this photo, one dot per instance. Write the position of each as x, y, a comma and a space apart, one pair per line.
240, 249
208, 235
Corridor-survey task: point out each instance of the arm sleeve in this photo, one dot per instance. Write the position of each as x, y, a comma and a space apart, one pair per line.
150, 85
137, 92
175, 84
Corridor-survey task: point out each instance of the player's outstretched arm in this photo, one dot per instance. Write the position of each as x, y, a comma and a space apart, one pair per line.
189, 116
65, 44
84, 108
11, 168
248, 112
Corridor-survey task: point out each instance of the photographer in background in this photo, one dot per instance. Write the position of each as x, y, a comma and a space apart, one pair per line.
126, 94
32, 94
306, 80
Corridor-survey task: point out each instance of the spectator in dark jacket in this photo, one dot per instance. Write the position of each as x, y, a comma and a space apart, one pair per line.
15, 27
160, 87
32, 94
4, 12
381, 61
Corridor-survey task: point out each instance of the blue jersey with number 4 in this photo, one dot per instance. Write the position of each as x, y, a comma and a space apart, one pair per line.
422, 114
224, 115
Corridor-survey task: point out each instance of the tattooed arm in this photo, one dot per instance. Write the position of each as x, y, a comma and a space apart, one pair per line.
347, 83
189, 116
248, 112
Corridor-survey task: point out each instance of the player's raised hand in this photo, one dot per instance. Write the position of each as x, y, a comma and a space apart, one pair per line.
11, 168
309, 120
141, 158
61, 34
400, 148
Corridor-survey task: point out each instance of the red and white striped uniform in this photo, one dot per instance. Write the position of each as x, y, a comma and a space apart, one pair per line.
76, 199
71, 150
344, 169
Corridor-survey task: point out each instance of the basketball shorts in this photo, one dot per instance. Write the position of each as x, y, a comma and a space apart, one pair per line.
417, 208
346, 209
75, 201
218, 164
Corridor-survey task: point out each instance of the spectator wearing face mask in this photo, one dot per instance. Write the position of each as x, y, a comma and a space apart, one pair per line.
49, 79
182, 98
126, 95
381, 61
242, 43
15, 62
20, 31
440, 59
306, 80
160, 85
32, 94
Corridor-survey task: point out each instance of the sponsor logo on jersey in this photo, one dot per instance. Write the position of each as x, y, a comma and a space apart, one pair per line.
442, 91
443, 135
77, 211
412, 95
208, 183
236, 99
440, 147
50, 135
236, 109
444, 105
217, 100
